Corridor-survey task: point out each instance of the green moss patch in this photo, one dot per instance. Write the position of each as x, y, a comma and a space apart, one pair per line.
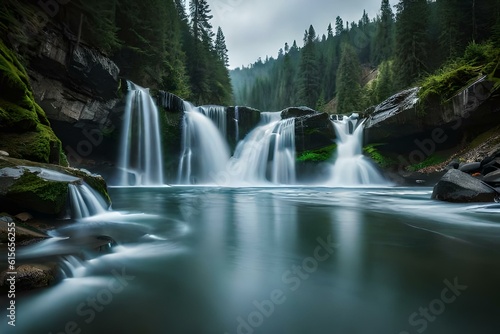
478, 60
25, 131
41, 195
320, 155
372, 151
430, 161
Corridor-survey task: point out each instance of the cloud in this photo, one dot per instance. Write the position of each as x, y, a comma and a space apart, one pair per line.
256, 28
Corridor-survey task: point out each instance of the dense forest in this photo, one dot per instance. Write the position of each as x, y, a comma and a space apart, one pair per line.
358, 64
160, 44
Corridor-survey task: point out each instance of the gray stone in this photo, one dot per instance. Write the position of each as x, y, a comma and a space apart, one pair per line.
297, 112
492, 178
470, 168
459, 187
30, 276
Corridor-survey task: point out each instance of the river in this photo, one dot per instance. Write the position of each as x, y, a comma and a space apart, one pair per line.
291, 260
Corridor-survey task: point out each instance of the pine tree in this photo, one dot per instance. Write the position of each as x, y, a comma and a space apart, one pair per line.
348, 81
339, 26
200, 21
411, 41
309, 74
329, 31
220, 47
384, 36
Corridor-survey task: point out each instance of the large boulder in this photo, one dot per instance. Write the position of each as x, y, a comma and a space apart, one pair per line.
297, 112
313, 132
27, 186
394, 117
459, 187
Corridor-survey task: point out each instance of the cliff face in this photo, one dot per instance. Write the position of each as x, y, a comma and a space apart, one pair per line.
25, 131
414, 131
79, 89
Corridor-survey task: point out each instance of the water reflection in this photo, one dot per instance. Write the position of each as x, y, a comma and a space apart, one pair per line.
203, 258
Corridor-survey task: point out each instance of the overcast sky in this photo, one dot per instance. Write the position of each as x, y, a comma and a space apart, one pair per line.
256, 28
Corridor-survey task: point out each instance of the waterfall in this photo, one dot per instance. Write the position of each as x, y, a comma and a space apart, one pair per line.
267, 154
237, 124
351, 167
72, 267
204, 150
85, 201
141, 153
218, 115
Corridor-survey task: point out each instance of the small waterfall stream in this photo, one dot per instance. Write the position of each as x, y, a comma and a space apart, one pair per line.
140, 154
204, 149
85, 202
267, 154
351, 167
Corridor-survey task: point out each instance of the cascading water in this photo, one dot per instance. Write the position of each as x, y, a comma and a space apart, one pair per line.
237, 124
141, 154
218, 115
204, 150
268, 153
85, 202
351, 167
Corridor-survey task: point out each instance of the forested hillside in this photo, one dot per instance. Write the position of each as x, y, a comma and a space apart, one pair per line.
357, 64
155, 43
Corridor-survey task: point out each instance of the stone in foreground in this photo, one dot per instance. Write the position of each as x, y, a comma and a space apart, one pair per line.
459, 187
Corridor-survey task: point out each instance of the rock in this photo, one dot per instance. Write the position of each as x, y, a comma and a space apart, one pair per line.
42, 188
30, 277
297, 112
24, 216
453, 165
470, 168
87, 68
4, 154
24, 235
459, 187
490, 165
81, 69
394, 117
247, 119
493, 178
313, 132
408, 126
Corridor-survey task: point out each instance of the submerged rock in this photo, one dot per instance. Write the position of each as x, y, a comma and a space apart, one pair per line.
459, 187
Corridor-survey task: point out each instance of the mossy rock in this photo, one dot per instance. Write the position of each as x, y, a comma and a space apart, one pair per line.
25, 131
38, 194
96, 182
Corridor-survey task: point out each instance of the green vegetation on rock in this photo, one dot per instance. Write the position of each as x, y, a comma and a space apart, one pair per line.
430, 161
25, 131
45, 196
372, 151
478, 60
320, 155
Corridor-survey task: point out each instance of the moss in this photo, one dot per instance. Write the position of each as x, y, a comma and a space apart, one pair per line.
320, 155
372, 151
479, 59
95, 182
44, 196
25, 129
430, 161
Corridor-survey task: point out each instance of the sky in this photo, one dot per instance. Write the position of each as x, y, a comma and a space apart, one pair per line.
259, 28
